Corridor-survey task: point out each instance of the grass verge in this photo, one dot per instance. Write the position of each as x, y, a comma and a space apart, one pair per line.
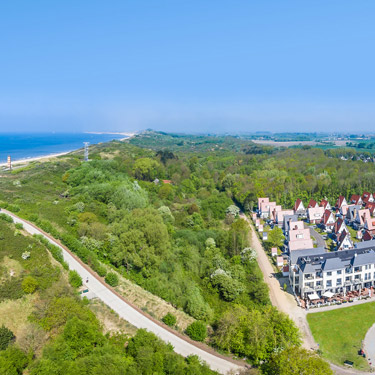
340, 332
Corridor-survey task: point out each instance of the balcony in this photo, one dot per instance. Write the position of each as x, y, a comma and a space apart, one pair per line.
348, 282
308, 289
319, 287
309, 277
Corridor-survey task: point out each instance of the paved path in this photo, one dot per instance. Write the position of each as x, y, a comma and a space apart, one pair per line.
130, 313
317, 236
369, 344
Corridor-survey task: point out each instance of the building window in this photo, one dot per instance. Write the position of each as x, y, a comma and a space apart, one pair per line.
329, 273
329, 283
357, 269
338, 282
339, 272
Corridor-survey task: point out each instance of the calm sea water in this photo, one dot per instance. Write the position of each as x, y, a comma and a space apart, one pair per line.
22, 146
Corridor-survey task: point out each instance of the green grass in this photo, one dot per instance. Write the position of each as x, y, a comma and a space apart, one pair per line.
340, 332
353, 234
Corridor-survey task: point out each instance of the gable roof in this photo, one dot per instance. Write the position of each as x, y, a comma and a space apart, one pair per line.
326, 216
324, 203
356, 199
339, 223
366, 196
363, 215
352, 211
316, 213
297, 205
370, 224
344, 236
312, 204
262, 200
341, 201
289, 219
366, 236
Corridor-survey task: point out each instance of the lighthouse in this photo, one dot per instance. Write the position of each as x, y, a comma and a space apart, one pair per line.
9, 163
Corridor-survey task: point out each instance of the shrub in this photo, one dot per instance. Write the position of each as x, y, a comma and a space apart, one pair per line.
11, 289
6, 336
169, 319
75, 280
6, 218
98, 267
19, 226
111, 279
197, 331
29, 284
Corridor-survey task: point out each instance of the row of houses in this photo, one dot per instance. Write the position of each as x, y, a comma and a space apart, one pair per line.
314, 272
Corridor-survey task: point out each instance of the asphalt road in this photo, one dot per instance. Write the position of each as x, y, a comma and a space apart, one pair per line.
132, 315
318, 237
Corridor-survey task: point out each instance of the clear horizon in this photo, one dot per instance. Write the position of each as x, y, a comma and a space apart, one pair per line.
189, 67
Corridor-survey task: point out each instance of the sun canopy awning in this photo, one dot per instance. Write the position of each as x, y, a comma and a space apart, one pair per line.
313, 296
328, 294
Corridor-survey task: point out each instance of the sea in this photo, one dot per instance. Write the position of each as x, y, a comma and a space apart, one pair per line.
23, 146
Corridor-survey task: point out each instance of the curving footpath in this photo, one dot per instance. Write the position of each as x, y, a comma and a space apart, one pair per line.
134, 316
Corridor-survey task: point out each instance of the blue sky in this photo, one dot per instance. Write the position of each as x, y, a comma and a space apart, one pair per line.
187, 65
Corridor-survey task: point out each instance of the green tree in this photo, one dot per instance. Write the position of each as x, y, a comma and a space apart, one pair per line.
197, 331
146, 169
111, 279
75, 280
195, 305
29, 284
6, 337
276, 237
12, 361
238, 237
229, 288
296, 361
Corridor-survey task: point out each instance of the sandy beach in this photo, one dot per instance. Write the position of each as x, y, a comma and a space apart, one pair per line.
51, 156
37, 158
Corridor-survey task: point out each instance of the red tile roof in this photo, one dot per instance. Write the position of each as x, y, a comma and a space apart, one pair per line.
312, 204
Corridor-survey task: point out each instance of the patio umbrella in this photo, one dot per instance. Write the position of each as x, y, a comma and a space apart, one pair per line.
328, 294
313, 296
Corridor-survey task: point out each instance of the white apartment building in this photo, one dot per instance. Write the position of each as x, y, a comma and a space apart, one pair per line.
316, 272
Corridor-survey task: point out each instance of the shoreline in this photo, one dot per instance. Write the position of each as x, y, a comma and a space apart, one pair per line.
43, 158
38, 158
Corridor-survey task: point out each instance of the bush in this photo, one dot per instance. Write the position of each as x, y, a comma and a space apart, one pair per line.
19, 226
169, 319
111, 279
6, 218
197, 331
6, 336
29, 284
97, 267
75, 280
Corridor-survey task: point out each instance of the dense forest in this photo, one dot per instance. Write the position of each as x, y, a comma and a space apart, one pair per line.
162, 211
